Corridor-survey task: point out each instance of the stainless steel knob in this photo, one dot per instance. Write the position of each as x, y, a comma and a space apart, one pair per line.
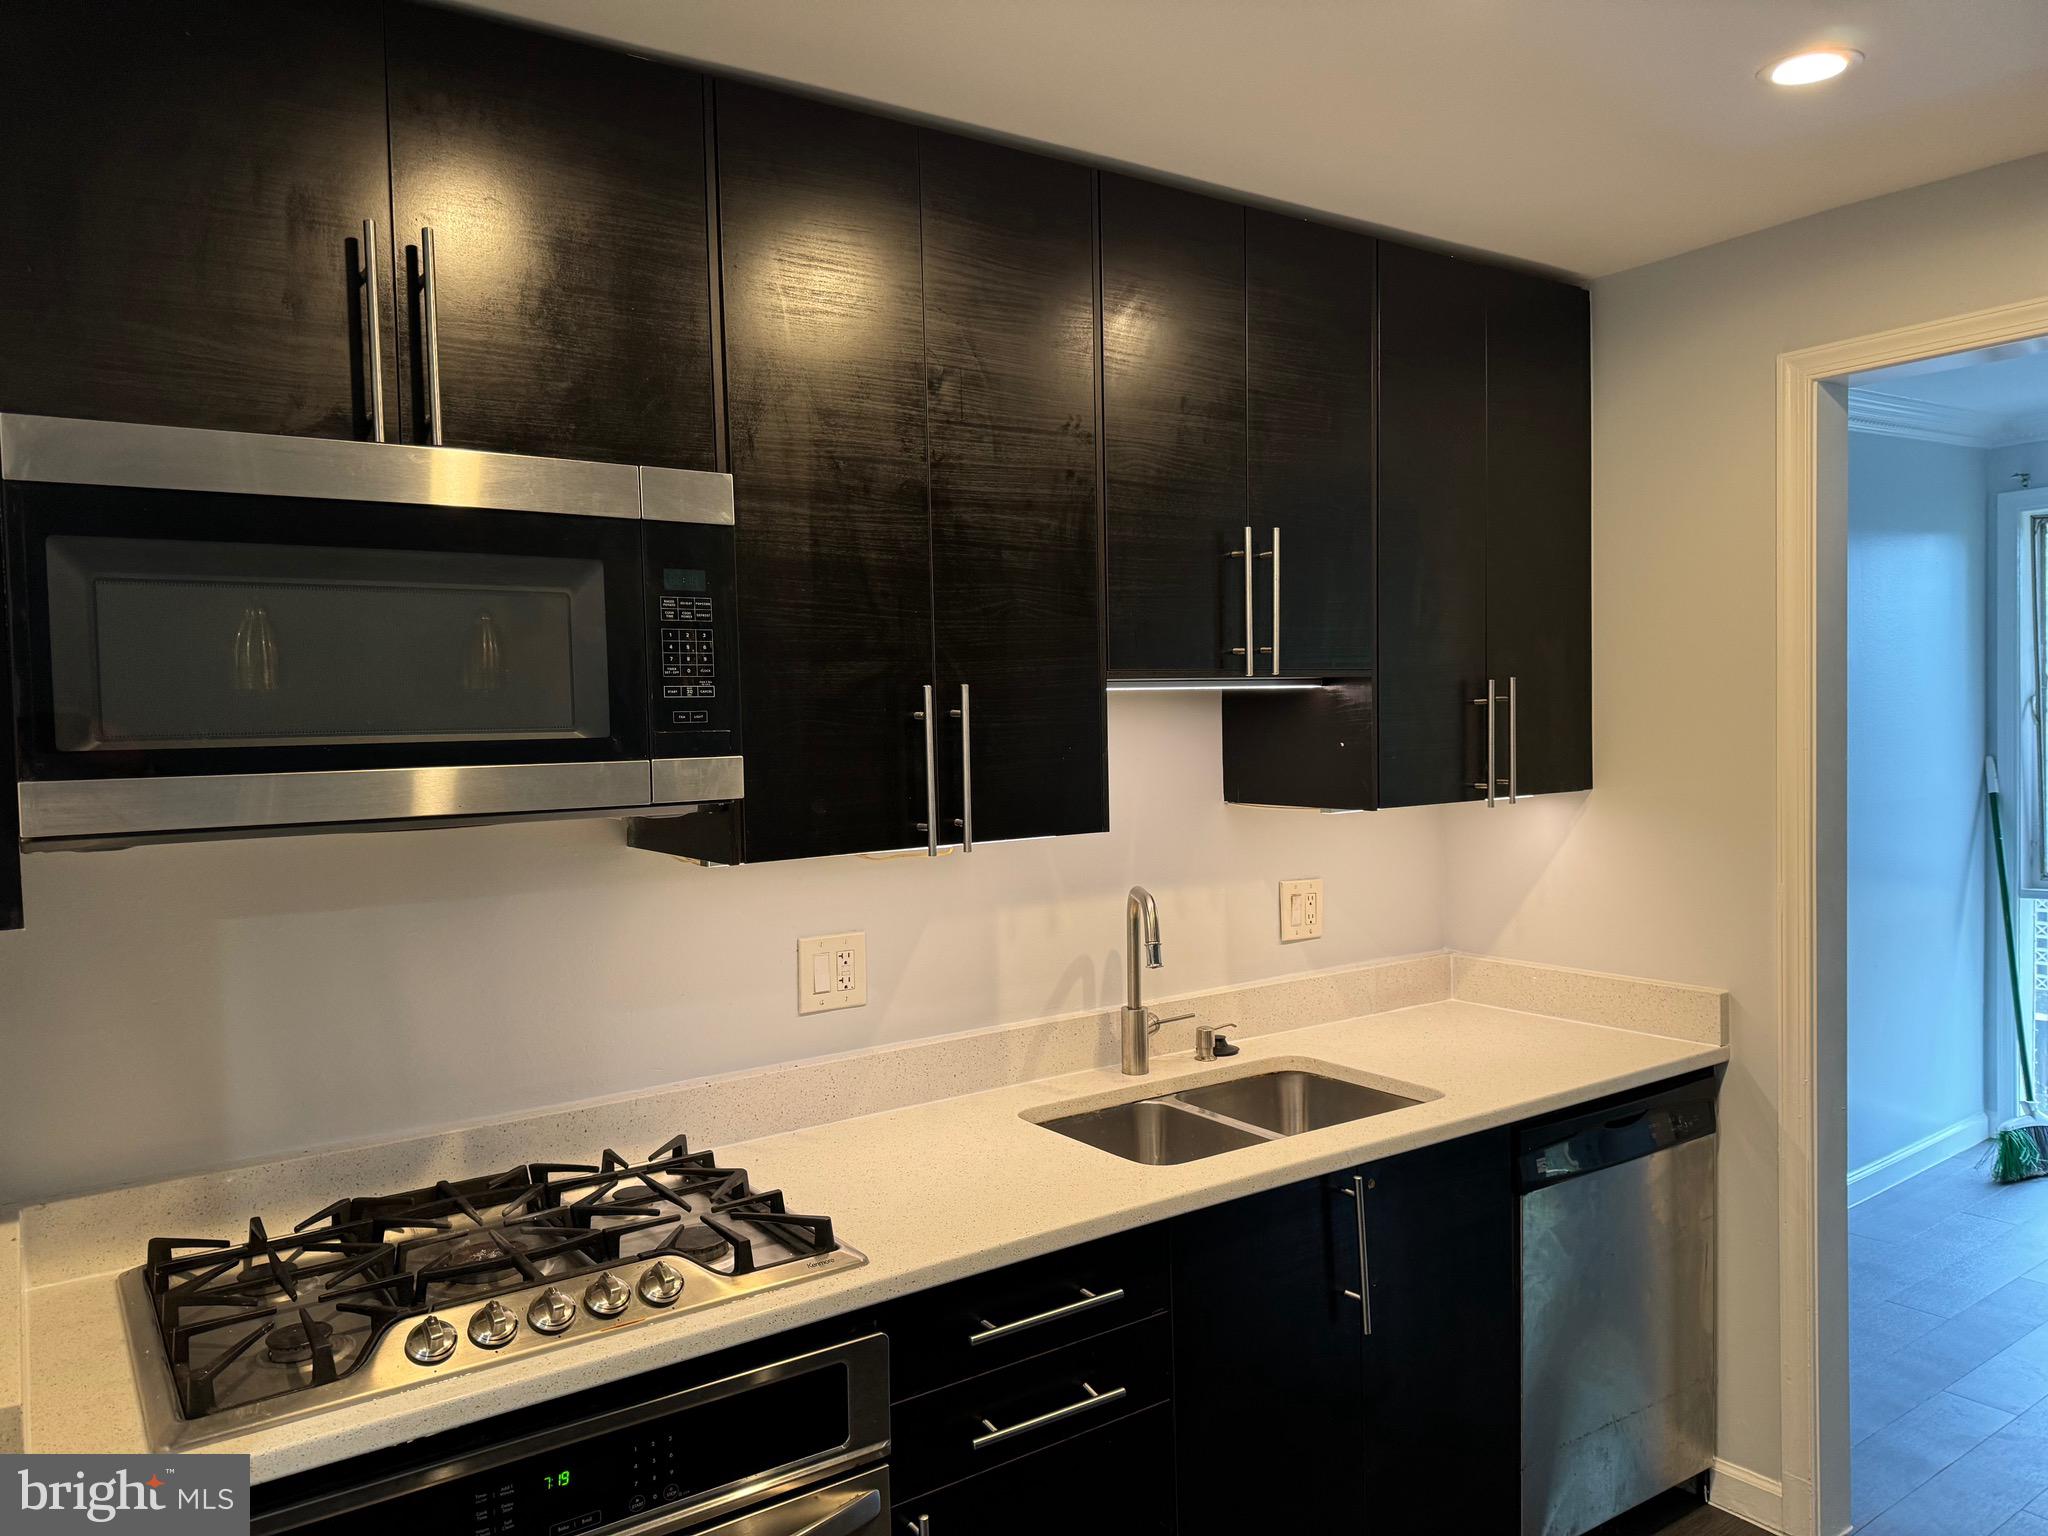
660, 1283
551, 1312
430, 1342
605, 1296
492, 1325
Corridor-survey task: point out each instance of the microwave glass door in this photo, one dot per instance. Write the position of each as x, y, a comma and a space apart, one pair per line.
189, 632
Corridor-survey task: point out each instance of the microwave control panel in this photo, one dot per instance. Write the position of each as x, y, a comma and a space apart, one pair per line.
693, 672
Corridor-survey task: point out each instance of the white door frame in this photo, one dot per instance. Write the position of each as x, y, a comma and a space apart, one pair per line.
1813, 500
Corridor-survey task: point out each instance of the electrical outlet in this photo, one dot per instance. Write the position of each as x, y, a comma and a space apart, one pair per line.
1301, 910
831, 972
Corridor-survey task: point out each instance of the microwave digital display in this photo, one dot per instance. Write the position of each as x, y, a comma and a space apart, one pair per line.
676, 579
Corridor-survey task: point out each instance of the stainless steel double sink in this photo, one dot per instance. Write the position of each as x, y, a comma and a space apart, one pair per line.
1192, 1123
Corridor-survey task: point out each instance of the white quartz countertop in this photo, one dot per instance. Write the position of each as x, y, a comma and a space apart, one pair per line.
929, 1193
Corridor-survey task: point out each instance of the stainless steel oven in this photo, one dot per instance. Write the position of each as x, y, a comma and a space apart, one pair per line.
219, 633
788, 1446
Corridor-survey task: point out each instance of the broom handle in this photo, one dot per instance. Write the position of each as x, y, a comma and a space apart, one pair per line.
2012, 953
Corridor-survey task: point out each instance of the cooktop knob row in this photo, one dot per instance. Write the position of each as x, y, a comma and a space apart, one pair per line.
605, 1296
551, 1312
430, 1342
492, 1325
660, 1283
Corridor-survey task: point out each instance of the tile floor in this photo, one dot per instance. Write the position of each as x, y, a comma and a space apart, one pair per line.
1948, 1355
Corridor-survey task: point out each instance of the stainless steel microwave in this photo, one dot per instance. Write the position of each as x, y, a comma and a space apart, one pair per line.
223, 633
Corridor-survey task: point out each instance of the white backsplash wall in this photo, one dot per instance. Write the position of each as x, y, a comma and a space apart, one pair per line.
179, 1008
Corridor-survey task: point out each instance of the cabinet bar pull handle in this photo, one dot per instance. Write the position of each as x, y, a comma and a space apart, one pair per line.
1090, 1300
965, 820
930, 825
1248, 651
1514, 746
1094, 1399
921, 1526
1273, 650
430, 332
373, 311
1363, 1295
1491, 783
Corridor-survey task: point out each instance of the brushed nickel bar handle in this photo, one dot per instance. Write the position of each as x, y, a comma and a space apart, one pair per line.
1247, 650
1514, 745
930, 825
1491, 785
1094, 1399
1364, 1261
430, 332
1273, 650
965, 820
374, 312
1089, 1301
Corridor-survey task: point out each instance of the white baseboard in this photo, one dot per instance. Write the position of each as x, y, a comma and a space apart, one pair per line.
1895, 1168
1748, 1495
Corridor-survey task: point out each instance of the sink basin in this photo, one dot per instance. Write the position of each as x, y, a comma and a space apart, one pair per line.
1222, 1117
1288, 1103
1154, 1131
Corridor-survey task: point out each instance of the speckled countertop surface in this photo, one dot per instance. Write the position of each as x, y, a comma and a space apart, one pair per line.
992, 1187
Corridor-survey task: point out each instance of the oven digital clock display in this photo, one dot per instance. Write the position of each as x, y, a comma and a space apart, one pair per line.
555, 1480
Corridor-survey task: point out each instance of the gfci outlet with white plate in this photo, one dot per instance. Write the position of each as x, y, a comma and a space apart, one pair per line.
831, 972
1301, 910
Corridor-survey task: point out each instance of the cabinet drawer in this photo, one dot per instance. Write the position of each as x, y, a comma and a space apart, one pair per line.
993, 1420
1104, 1480
988, 1321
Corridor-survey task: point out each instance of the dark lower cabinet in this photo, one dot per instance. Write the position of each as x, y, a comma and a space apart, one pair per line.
1104, 1480
186, 187
825, 408
1174, 446
565, 187
1016, 524
1399, 1412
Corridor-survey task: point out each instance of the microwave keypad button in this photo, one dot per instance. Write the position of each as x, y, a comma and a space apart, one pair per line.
675, 691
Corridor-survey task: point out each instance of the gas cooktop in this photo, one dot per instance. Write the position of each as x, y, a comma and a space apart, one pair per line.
374, 1294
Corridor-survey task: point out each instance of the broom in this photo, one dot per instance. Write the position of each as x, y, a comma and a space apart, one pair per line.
2022, 1151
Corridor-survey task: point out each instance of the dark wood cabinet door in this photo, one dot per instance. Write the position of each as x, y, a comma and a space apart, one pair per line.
1173, 402
565, 187
1442, 1415
825, 390
1432, 544
1009, 321
1269, 1364
1539, 528
185, 189
1308, 368
1107, 1480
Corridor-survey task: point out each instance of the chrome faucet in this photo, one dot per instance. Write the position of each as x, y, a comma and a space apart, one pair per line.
1141, 921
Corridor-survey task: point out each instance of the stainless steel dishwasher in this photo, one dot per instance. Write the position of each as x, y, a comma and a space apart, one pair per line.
1617, 1210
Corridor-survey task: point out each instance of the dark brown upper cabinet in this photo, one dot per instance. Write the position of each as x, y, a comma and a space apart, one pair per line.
1016, 524
186, 188
1308, 368
1484, 553
910, 356
1539, 531
1174, 431
565, 189
826, 399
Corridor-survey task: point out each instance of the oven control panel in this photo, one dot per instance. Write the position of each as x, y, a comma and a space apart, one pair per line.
692, 671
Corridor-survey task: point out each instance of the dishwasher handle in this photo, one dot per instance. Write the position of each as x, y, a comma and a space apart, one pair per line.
1613, 1131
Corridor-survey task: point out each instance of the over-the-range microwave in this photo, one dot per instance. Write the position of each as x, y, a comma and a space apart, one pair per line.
224, 634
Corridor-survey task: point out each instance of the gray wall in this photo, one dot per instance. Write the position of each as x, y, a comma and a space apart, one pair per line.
1918, 651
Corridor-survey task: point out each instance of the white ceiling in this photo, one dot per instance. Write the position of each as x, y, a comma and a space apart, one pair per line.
1583, 135
1980, 399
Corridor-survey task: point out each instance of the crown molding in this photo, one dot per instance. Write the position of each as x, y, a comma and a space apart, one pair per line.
1884, 415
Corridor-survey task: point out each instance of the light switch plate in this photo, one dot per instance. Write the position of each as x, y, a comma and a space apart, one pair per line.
1301, 910
831, 972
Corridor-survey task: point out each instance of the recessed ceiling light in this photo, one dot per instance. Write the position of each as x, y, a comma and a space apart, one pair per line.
1812, 67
